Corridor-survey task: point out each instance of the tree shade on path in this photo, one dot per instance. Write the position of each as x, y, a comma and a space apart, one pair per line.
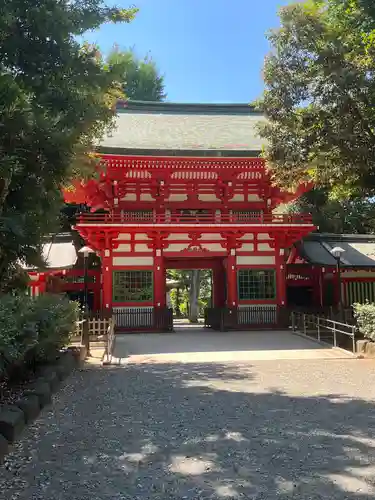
187, 431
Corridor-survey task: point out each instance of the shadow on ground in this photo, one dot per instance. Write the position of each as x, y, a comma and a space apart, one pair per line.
199, 432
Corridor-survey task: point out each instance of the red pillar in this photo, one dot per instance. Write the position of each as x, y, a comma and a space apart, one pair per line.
107, 280
42, 283
280, 277
96, 290
232, 298
159, 280
315, 275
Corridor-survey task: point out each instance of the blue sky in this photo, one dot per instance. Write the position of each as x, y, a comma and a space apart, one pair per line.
209, 50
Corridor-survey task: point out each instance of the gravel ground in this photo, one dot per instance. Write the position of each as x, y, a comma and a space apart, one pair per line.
263, 430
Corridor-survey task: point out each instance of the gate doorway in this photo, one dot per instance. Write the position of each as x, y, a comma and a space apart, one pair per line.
193, 285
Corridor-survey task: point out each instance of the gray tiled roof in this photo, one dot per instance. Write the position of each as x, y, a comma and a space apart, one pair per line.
59, 252
170, 126
359, 250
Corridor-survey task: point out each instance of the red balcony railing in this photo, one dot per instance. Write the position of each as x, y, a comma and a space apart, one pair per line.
203, 219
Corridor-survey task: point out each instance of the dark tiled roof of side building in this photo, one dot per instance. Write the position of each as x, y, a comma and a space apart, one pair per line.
185, 127
359, 249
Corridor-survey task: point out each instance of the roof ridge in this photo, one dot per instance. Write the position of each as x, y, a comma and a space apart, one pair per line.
181, 107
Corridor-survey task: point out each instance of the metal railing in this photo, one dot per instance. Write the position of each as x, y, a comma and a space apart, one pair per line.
323, 329
110, 341
240, 219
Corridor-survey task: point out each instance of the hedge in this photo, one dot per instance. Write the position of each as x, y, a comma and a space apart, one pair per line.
365, 316
33, 330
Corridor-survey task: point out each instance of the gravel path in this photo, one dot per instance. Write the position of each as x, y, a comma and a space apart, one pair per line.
263, 430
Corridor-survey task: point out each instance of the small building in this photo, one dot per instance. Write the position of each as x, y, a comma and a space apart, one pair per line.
312, 273
63, 271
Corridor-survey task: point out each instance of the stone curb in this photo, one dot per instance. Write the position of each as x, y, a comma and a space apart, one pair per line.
14, 417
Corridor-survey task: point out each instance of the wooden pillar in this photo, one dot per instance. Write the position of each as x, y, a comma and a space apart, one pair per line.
96, 290
281, 294
232, 296
107, 274
42, 283
315, 275
159, 280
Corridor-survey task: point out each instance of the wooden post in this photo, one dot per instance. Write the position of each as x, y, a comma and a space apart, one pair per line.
159, 280
107, 279
280, 277
232, 296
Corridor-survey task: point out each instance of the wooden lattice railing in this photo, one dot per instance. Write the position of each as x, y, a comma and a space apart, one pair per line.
241, 219
98, 326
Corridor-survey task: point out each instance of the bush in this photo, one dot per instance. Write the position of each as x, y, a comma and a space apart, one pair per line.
34, 329
365, 316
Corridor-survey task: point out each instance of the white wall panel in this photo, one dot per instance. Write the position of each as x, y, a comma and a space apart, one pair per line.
238, 197
141, 236
176, 247
247, 236
264, 247
255, 260
213, 247
178, 236
124, 236
208, 197
142, 247
263, 236
133, 261
211, 236
122, 248
129, 197
146, 197
246, 247
177, 197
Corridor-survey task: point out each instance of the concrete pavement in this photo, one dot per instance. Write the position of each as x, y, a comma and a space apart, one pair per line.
195, 345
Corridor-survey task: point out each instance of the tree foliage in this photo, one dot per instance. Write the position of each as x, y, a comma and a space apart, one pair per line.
33, 330
354, 215
141, 79
192, 292
56, 99
320, 96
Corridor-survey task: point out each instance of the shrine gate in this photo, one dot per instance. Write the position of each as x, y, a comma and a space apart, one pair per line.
166, 203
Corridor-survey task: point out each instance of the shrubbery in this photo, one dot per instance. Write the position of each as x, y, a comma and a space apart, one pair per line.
33, 330
365, 316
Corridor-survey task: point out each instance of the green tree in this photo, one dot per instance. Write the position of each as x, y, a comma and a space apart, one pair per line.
191, 293
351, 216
141, 79
56, 98
320, 96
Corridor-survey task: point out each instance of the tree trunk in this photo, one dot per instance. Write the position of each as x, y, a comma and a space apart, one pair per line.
194, 295
178, 312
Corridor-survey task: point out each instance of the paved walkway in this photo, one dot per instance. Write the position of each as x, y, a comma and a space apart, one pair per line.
301, 429
195, 344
